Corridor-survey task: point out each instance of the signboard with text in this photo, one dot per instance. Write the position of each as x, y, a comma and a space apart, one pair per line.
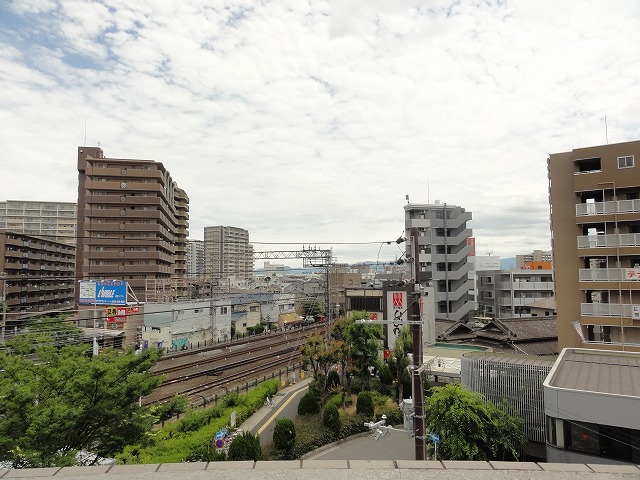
102, 292
118, 315
396, 310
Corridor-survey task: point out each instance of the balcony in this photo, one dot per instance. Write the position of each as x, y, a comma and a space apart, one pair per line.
607, 208
606, 310
541, 286
609, 274
613, 240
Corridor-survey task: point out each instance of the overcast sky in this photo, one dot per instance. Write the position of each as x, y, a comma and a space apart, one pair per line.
307, 123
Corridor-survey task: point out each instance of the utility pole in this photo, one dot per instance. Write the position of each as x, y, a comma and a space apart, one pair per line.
414, 293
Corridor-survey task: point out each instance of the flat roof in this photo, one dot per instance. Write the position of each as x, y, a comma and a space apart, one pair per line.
600, 371
511, 358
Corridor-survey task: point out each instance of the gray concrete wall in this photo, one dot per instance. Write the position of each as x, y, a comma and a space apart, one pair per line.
338, 470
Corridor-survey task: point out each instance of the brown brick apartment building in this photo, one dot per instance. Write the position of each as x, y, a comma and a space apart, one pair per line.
595, 223
133, 223
36, 276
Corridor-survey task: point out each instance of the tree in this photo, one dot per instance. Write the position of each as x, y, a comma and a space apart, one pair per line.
45, 331
471, 428
284, 434
311, 307
364, 344
245, 447
177, 405
400, 360
68, 401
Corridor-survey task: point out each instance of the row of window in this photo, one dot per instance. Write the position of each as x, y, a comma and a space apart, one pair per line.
616, 443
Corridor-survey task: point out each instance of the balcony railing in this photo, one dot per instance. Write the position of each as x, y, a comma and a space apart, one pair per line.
613, 240
607, 208
606, 310
609, 274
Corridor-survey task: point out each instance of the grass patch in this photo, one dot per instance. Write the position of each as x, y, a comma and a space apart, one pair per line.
189, 438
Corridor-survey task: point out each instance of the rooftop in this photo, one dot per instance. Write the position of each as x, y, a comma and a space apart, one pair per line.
600, 371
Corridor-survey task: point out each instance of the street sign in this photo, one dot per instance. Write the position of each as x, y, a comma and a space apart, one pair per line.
220, 434
219, 443
434, 437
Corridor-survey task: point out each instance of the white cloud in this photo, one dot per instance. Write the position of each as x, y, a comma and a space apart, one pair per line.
309, 121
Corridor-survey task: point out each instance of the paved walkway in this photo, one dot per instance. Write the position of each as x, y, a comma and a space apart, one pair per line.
285, 405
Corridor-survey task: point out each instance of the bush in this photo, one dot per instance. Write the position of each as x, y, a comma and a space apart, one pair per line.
331, 418
204, 452
309, 404
364, 404
245, 447
394, 415
333, 379
357, 385
385, 375
232, 400
284, 434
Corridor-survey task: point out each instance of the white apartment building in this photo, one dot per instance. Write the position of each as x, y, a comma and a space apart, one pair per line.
227, 253
479, 264
444, 249
195, 258
56, 221
508, 293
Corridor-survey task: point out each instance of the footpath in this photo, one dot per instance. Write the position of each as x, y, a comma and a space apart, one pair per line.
285, 405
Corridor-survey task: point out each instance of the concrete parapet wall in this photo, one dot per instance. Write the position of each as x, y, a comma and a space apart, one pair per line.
338, 470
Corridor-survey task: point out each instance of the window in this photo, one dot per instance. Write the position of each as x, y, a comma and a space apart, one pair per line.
587, 165
223, 310
625, 162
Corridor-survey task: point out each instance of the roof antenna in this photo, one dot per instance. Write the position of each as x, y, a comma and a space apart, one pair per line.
606, 130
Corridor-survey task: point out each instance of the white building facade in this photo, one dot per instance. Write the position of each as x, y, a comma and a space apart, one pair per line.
444, 249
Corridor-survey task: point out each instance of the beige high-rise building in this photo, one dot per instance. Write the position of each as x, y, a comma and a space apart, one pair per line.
227, 253
133, 223
595, 222
55, 221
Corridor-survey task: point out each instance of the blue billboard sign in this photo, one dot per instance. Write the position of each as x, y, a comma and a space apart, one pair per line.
103, 292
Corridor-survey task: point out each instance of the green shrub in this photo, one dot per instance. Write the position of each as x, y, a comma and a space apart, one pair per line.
385, 375
335, 400
205, 452
309, 404
316, 387
357, 385
232, 400
284, 434
245, 447
394, 415
333, 379
331, 418
364, 404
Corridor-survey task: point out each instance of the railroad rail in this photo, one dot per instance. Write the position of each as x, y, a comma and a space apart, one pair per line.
218, 369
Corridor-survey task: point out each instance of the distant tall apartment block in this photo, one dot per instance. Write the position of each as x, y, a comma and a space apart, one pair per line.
444, 247
227, 253
195, 258
36, 277
55, 221
133, 223
536, 257
595, 222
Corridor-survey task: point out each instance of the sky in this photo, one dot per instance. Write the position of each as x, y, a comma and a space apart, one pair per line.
309, 122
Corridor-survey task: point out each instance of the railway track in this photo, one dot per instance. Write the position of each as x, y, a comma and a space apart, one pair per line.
214, 371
